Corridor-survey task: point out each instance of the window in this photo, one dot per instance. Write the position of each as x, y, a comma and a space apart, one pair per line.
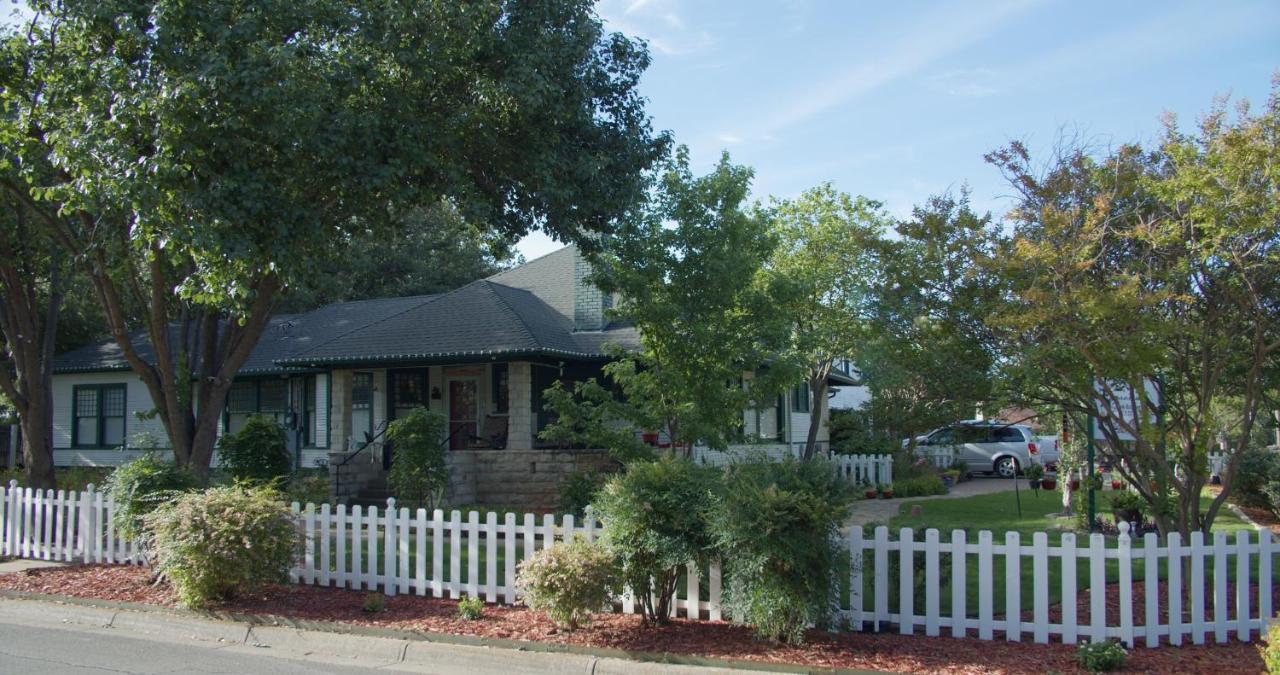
99, 416
499, 391
972, 435
780, 418
1006, 435
269, 397
800, 399
361, 404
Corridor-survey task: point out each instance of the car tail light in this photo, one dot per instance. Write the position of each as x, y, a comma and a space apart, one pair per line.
1031, 447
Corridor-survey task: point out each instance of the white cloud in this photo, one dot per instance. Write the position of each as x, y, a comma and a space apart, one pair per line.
729, 138
661, 23
968, 82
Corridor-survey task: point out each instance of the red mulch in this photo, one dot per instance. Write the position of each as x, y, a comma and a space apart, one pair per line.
870, 651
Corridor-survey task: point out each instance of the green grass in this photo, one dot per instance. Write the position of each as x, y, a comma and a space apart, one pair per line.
1001, 513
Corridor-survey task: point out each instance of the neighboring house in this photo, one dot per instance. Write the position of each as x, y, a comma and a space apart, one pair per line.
851, 396
481, 355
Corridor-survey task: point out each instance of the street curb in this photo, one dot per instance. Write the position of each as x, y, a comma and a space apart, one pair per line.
393, 645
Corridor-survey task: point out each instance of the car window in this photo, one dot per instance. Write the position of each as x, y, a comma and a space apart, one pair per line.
940, 437
1007, 435
972, 435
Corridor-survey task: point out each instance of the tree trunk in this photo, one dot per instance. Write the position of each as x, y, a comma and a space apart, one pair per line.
37, 448
817, 408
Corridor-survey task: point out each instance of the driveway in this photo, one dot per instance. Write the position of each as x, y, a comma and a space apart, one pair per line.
882, 510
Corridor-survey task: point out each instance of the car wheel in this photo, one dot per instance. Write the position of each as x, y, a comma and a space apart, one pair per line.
1007, 467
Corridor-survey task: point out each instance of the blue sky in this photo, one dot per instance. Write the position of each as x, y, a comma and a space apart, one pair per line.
898, 101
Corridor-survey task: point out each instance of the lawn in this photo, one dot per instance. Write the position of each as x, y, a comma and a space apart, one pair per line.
1000, 513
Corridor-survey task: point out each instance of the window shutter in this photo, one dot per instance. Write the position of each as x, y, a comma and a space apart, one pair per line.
321, 421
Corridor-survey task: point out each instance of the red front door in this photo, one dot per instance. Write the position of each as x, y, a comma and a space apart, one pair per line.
464, 413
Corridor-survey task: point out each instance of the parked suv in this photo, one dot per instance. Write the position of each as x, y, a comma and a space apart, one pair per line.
992, 447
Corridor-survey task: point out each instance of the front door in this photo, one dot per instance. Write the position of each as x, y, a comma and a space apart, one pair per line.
407, 392
464, 412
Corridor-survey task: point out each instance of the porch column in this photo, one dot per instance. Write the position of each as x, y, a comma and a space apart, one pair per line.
339, 410
520, 406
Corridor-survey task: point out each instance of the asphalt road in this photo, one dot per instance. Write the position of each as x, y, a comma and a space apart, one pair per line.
45, 650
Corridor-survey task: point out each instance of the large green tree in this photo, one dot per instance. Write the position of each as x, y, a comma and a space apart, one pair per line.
687, 272
824, 270
1150, 280
197, 158
927, 357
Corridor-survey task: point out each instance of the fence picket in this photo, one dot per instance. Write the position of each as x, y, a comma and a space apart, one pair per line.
491, 557
906, 581
455, 553
309, 544
1012, 587
713, 590
959, 611
1040, 586
1070, 615
402, 567
437, 553
1097, 588
528, 538
1125, 557
882, 577
692, 610
1242, 586
473, 554
855, 578
1173, 588
357, 555
1220, 587
986, 623
371, 533
390, 575
340, 542
1264, 573
1197, 588
325, 524
1151, 588
932, 583
509, 546
420, 582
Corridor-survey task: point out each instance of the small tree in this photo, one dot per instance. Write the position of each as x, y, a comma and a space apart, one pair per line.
419, 474
257, 453
655, 523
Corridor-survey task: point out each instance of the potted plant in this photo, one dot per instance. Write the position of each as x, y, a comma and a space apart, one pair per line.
1115, 484
1049, 482
1034, 474
871, 492
1127, 507
886, 492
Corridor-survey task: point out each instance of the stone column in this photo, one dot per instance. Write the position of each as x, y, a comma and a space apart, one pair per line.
520, 406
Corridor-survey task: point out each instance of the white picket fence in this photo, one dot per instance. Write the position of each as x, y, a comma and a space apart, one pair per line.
1102, 588
859, 469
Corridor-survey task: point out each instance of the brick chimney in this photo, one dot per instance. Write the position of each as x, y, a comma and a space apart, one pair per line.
589, 304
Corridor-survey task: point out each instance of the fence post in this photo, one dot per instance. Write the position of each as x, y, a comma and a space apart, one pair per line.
1265, 582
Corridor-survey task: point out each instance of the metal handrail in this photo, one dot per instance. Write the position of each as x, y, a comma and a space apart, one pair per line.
381, 431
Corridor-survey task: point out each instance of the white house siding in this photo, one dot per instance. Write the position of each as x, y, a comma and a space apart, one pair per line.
138, 400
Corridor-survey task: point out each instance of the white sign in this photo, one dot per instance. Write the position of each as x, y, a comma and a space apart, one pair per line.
1117, 400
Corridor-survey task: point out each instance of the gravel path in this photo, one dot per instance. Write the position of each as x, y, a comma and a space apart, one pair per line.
882, 510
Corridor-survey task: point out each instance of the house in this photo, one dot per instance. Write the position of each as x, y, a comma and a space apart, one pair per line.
481, 355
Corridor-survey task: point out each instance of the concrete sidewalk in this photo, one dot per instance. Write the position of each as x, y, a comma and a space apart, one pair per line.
205, 644
882, 510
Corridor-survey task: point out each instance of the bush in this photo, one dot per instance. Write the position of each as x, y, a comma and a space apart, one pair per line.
373, 603
1258, 469
139, 486
1128, 506
471, 608
654, 523
212, 544
309, 486
1101, 657
777, 525
257, 453
569, 581
1271, 650
922, 486
418, 473
578, 489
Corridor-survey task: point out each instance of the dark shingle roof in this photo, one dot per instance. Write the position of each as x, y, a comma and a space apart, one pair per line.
481, 319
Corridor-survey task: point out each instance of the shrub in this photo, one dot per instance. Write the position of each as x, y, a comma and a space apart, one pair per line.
212, 544
373, 603
569, 581
139, 486
778, 524
471, 608
1258, 468
309, 487
1128, 506
1271, 650
1033, 472
257, 453
654, 523
578, 489
1101, 657
922, 486
418, 473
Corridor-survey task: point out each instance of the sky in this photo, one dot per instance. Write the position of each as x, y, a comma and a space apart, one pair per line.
900, 101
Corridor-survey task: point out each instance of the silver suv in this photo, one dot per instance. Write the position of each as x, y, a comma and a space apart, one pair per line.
985, 446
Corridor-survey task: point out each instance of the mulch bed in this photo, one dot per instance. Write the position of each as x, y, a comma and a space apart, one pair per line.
870, 651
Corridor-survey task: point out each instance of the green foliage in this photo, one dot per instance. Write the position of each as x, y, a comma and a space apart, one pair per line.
776, 525
1258, 469
1033, 472
1271, 650
140, 486
1128, 506
309, 486
920, 486
570, 581
1101, 657
853, 433
373, 603
471, 608
688, 272
822, 276
418, 473
578, 490
654, 518
257, 453
214, 544
592, 416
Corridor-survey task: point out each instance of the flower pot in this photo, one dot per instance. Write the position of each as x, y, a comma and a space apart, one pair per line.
886, 494
1049, 483
1115, 485
871, 494
1035, 484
